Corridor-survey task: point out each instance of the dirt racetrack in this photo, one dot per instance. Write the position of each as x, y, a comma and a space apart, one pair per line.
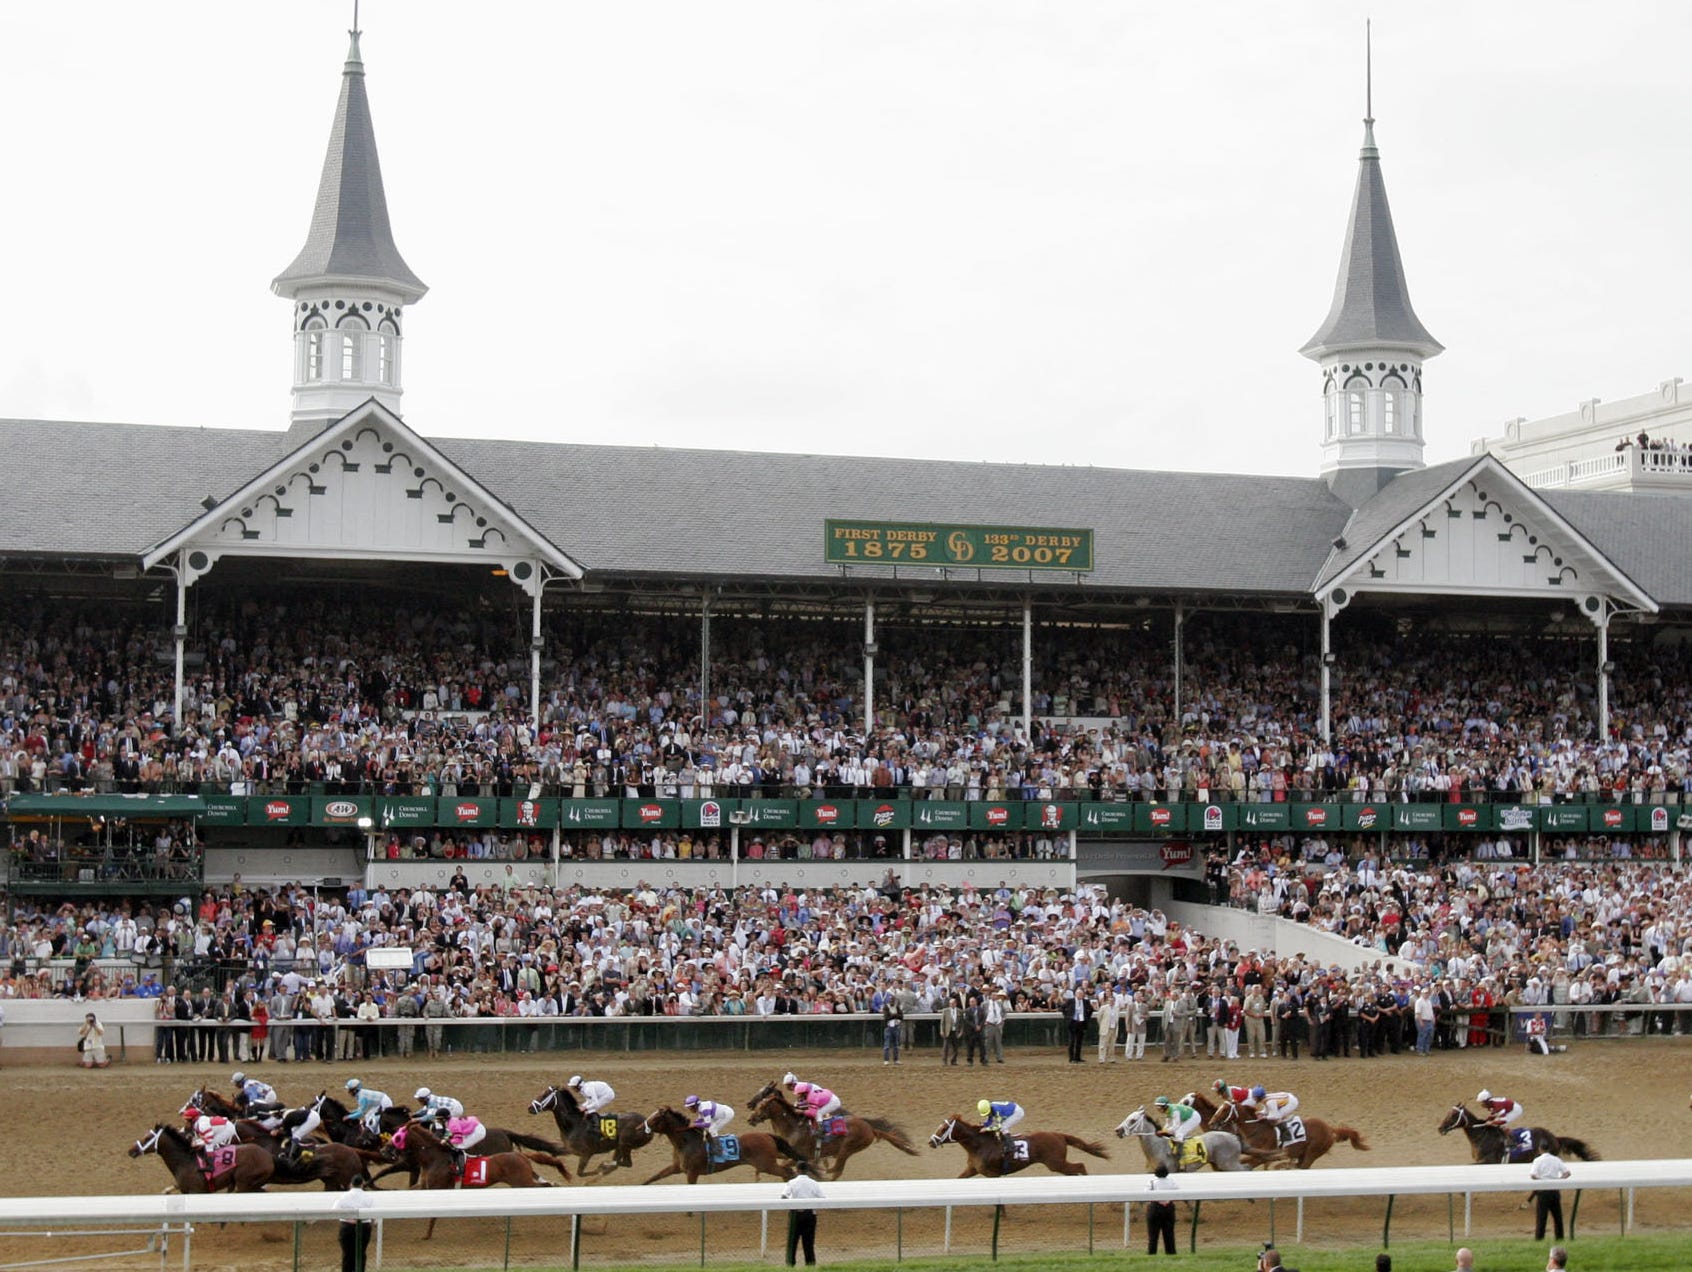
70, 1131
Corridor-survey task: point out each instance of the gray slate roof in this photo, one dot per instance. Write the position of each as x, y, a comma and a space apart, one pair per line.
115, 490
1371, 299
350, 236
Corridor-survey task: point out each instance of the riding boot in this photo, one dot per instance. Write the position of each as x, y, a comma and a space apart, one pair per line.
459, 1157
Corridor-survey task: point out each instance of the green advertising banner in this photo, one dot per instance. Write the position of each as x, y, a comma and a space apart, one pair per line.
1468, 816
1513, 817
937, 814
830, 814
467, 811
1055, 815
224, 810
396, 811
528, 814
769, 814
278, 810
1562, 817
1315, 818
1418, 816
708, 814
342, 810
884, 814
978, 547
651, 814
1265, 817
588, 814
994, 816
1105, 818
1364, 817
1160, 817
1612, 819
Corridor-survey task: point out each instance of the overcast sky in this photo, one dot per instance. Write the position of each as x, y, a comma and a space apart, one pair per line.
1079, 233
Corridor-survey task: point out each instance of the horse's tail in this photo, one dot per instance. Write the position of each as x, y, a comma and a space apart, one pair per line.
535, 1142
1351, 1136
547, 1159
885, 1130
784, 1147
1090, 1147
1580, 1148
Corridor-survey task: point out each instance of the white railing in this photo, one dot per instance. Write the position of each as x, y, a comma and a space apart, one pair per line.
183, 1213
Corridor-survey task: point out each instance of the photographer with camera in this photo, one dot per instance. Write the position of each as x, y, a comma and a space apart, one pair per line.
1269, 1260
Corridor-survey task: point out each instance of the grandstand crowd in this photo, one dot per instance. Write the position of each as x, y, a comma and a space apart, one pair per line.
298, 690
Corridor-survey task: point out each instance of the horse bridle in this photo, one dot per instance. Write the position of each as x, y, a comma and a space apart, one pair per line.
151, 1142
545, 1102
944, 1134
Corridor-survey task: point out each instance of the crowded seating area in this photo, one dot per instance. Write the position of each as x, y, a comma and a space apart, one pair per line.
339, 695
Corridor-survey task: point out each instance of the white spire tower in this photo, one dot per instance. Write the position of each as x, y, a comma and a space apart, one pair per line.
1371, 346
349, 283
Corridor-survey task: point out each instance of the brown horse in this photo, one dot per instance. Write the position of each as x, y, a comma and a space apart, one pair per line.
798, 1129
432, 1159
690, 1155
250, 1172
987, 1155
584, 1134
1490, 1145
1262, 1141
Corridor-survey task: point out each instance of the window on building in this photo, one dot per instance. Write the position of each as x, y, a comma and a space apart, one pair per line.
1333, 417
1354, 412
352, 348
1389, 411
315, 338
385, 343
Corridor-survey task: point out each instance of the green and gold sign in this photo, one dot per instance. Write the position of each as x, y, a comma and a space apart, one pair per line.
977, 547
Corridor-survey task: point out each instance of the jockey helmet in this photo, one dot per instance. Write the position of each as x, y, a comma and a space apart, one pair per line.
1257, 1093
192, 1112
692, 1102
353, 1084
1219, 1086
1483, 1097
423, 1093
575, 1082
787, 1079
1162, 1101
802, 1088
984, 1108
237, 1078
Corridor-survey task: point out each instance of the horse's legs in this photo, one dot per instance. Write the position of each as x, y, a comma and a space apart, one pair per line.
674, 1168
969, 1170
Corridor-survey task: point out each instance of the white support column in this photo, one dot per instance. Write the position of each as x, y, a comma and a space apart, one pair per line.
1604, 669
1180, 674
705, 662
869, 667
535, 644
1327, 681
1028, 671
180, 633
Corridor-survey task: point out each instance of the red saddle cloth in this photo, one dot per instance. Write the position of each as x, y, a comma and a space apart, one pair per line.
475, 1173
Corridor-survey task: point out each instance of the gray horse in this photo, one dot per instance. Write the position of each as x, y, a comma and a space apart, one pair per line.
1220, 1147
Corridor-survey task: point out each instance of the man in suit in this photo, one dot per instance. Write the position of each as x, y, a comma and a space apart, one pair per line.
974, 1027
951, 1031
1077, 1011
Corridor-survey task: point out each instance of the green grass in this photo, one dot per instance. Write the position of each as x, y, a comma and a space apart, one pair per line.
1652, 1252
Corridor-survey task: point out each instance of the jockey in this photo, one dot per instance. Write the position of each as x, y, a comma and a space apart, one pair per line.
1273, 1107
370, 1105
1242, 1098
999, 1115
1183, 1119
300, 1123
592, 1096
1500, 1112
710, 1116
462, 1135
211, 1133
816, 1102
250, 1092
432, 1107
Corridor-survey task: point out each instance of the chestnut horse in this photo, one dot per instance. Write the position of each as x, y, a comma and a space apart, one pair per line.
1038, 1148
861, 1132
691, 1157
1490, 1145
252, 1168
432, 1158
1262, 1140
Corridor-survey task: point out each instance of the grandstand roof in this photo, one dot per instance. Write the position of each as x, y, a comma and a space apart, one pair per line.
116, 490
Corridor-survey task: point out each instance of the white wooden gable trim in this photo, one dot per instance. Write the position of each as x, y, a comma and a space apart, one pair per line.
367, 489
1489, 534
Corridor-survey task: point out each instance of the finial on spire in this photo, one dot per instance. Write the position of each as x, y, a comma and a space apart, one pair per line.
354, 58
1368, 89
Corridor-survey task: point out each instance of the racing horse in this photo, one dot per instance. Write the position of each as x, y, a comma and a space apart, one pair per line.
691, 1154
1491, 1145
584, 1134
432, 1160
986, 1150
249, 1170
859, 1132
497, 1140
1263, 1140
333, 1165
1222, 1151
